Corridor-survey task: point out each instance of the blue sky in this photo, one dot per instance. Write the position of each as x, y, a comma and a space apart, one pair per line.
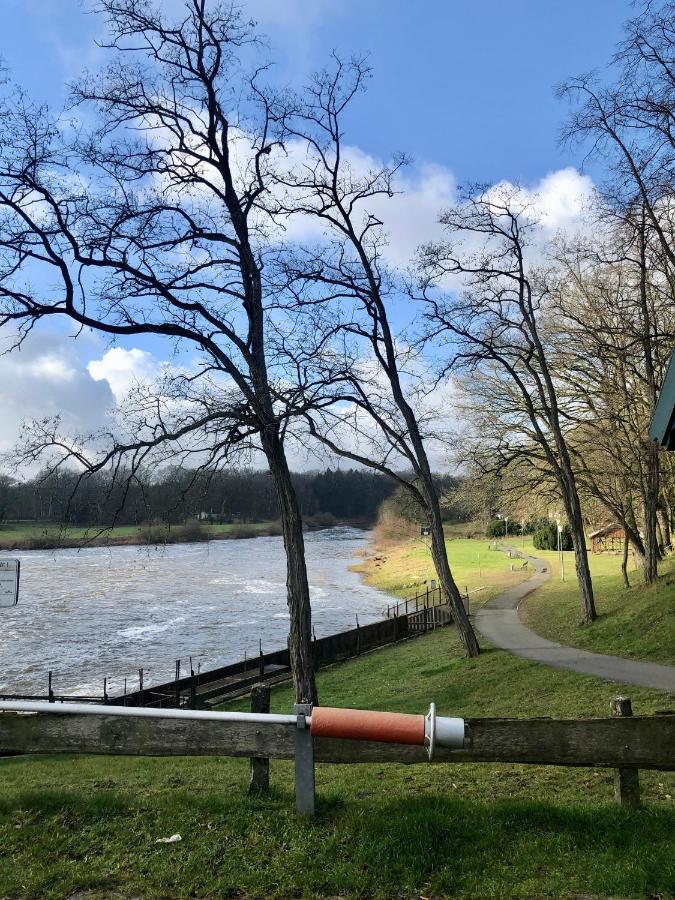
465, 88
468, 85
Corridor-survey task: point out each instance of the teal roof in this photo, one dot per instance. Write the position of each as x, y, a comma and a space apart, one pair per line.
662, 427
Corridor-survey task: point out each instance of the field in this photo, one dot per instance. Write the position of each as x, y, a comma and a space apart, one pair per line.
403, 568
39, 536
87, 824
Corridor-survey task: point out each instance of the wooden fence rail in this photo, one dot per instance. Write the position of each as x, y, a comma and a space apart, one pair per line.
640, 742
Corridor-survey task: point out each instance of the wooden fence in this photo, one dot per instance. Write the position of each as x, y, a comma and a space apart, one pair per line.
623, 742
642, 742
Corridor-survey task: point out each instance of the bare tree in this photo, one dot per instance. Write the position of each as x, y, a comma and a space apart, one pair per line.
154, 223
616, 328
373, 413
629, 120
493, 323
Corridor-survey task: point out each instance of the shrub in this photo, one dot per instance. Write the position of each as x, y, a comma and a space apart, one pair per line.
321, 520
154, 532
193, 530
496, 528
546, 536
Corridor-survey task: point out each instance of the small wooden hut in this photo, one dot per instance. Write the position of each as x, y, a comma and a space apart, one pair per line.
608, 539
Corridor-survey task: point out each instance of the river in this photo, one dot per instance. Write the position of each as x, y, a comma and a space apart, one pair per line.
111, 610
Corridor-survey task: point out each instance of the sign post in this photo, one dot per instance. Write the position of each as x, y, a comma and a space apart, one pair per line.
9, 582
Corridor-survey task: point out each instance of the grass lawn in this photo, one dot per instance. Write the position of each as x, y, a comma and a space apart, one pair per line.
404, 568
469, 831
638, 622
33, 535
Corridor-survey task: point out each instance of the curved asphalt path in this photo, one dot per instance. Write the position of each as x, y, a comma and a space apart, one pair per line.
499, 623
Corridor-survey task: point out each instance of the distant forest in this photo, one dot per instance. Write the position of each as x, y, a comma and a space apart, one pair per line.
245, 495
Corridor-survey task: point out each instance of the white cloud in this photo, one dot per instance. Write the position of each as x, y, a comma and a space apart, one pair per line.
46, 378
125, 370
558, 201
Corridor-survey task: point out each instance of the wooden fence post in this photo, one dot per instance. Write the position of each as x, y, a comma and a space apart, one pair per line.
260, 765
626, 781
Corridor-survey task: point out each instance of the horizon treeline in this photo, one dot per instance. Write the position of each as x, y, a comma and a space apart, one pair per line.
65, 497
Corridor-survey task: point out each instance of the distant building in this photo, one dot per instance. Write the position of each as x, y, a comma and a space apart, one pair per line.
608, 539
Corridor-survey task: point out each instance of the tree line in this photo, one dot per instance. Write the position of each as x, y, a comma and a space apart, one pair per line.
168, 206
174, 495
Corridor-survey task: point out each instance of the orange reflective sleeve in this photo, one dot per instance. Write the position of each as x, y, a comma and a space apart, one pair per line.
365, 725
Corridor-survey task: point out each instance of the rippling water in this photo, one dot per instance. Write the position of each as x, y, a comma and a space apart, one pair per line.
108, 611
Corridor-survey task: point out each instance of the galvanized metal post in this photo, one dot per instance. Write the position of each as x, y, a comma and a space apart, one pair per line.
304, 762
177, 695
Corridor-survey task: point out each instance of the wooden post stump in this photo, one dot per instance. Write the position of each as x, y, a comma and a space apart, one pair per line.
260, 766
626, 781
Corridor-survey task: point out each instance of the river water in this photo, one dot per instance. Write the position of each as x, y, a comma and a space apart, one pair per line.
111, 610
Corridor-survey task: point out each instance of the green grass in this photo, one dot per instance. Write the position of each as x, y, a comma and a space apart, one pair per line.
403, 568
41, 535
70, 824
638, 622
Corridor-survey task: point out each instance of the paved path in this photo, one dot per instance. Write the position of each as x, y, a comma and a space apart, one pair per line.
498, 621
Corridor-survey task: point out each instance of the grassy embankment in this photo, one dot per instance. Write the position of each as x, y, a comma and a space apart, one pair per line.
638, 622
73, 824
404, 567
38, 536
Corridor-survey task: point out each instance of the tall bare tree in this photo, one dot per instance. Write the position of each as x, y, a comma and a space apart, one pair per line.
486, 304
374, 409
154, 223
612, 345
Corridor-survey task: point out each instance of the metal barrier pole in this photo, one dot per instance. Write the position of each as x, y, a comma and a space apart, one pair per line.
304, 761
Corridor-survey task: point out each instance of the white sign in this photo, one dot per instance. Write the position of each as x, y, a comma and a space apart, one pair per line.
9, 582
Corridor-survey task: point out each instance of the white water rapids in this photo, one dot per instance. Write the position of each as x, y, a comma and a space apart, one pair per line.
111, 610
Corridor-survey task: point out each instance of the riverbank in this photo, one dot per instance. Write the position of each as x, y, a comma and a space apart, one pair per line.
87, 824
71, 825
25, 536
403, 567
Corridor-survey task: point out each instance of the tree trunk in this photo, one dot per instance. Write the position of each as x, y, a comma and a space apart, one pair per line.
624, 561
662, 514
650, 570
297, 586
449, 588
573, 510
